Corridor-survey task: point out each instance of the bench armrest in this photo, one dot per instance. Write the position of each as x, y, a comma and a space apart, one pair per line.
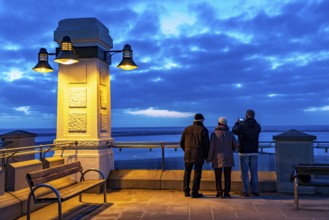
293, 175
89, 170
301, 178
43, 185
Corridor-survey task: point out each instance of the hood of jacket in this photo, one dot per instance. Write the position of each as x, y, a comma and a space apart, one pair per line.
222, 128
198, 123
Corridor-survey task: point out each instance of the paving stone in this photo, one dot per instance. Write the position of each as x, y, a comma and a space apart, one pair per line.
171, 205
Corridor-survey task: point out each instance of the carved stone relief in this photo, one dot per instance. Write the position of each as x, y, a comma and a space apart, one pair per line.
103, 75
77, 122
78, 97
103, 98
104, 122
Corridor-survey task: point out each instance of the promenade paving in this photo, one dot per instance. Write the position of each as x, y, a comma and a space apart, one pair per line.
131, 204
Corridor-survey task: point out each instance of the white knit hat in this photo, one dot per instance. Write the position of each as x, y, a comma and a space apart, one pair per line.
222, 120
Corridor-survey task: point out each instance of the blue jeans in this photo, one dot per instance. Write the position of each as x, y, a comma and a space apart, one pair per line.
249, 163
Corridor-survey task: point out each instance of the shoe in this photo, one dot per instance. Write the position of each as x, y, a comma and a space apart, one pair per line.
227, 196
244, 194
220, 194
255, 194
197, 195
187, 194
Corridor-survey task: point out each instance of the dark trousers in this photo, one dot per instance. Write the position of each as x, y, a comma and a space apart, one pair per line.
196, 179
227, 179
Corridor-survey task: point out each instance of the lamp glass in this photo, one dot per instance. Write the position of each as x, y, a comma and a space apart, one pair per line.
43, 65
127, 62
67, 55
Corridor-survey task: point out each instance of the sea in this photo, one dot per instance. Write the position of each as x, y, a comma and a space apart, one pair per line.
145, 158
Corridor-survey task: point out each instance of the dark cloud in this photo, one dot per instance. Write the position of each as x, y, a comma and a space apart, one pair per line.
267, 61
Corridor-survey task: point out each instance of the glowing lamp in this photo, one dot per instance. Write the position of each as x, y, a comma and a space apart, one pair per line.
43, 65
127, 62
66, 55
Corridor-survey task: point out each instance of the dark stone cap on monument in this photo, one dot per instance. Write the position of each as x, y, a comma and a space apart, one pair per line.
17, 134
294, 135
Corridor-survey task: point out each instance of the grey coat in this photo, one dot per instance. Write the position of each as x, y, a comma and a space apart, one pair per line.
222, 145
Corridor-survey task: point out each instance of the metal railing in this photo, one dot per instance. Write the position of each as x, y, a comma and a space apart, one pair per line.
170, 145
175, 145
6, 154
149, 145
265, 145
321, 145
42, 150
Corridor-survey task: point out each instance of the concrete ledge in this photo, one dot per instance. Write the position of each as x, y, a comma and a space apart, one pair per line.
135, 179
173, 180
2, 181
10, 207
267, 181
208, 181
52, 162
17, 173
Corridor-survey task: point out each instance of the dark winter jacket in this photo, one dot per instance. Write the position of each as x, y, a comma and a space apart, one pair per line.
195, 143
248, 134
222, 145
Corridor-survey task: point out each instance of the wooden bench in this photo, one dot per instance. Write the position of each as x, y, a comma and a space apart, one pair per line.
39, 180
303, 175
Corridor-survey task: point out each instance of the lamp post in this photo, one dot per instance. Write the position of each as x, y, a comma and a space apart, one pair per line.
83, 97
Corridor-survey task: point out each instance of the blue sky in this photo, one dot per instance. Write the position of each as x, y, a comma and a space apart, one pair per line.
218, 58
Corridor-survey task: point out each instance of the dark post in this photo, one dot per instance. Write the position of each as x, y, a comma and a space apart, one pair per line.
163, 156
291, 148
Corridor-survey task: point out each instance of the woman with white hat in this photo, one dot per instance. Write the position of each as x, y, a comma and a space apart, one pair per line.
222, 145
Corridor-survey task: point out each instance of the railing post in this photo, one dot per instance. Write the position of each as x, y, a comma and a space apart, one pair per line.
3, 159
163, 156
40, 153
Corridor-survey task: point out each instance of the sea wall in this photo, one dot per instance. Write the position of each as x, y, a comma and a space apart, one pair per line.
173, 180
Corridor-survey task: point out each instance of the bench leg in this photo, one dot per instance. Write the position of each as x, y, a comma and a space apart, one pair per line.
80, 197
104, 191
296, 192
28, 211
60, 210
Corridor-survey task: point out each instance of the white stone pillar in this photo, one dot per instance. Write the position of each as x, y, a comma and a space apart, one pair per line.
84, 100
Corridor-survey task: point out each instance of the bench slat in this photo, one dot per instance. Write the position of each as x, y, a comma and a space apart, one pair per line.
71, 191
49, 171
53, 173
312, 170
55, 176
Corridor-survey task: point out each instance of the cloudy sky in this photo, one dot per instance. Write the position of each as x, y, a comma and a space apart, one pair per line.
215, 57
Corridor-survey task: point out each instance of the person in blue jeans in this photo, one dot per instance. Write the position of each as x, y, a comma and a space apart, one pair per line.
248, 131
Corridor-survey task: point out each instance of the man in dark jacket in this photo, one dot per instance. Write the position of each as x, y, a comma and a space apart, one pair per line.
195, 144
248, 133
